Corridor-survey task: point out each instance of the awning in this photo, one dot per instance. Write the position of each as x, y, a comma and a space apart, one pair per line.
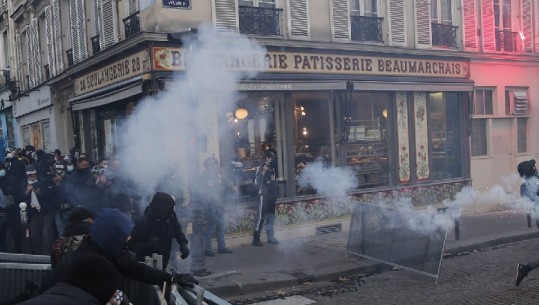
108, 94
413, 86
281, 85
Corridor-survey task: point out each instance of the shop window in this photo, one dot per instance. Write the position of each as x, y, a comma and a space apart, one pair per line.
445, 137
483, 102
46, 135
26, 135
311, 132
367, 145
479, 137
522, 135
250, 124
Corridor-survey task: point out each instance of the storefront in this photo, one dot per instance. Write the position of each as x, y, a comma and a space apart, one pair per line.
36, 120
399, 122
103, 98
7, 136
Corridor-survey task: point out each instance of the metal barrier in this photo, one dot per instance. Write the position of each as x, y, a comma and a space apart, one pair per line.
15, 276
381, 234
194, 296
24, 258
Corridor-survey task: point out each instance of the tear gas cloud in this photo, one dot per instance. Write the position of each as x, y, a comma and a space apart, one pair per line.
158, 139
337, 182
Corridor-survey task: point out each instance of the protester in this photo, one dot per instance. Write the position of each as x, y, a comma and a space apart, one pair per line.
528, 189
91, 280
76, 230
9, 211
265, 180
155, 230
212, 196
62, 207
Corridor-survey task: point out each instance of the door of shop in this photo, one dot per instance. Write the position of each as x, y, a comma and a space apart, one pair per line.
502, 150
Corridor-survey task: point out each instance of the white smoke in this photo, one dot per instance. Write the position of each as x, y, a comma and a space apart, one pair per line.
160, 138
328, 181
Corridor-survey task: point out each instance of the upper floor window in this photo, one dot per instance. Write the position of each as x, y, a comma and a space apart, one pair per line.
260, 17
506, 39
441, 11
364, 21
258, 3
367, 8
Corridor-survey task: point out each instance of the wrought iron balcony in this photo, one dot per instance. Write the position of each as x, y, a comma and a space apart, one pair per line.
69, 54
95, 45
366, 28
132, 25
506, 41
261, 21
444, 35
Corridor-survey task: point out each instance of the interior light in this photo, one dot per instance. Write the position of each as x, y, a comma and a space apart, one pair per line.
305, 131
241, 113
303, 113
384, 113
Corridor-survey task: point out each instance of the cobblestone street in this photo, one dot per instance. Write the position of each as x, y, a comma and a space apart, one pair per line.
479, 277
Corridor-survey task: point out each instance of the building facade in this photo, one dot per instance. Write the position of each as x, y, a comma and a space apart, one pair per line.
418, 98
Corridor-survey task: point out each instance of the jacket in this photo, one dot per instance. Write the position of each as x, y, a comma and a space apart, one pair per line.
63, 294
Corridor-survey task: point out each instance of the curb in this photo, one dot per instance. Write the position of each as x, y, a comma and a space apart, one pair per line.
237, 289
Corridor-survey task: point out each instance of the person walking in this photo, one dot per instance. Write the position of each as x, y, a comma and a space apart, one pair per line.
267, 190
528, 189
155, 230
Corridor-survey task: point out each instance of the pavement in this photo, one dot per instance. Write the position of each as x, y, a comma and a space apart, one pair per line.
323, 257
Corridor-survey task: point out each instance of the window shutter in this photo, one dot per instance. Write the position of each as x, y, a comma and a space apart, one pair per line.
470, 25
74, 30
397, 26
29, 58
50, 41
108, 24
527, 25
81, 18
225, 14
298, 23
521, 102
58, 49
487, 24
18, 41
36, 52
423, 37
340, 20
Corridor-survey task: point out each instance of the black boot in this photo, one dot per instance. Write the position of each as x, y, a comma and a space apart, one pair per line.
256, 240
522, 272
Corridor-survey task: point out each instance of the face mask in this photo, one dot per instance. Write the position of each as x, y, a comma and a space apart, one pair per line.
70, 168
30, 182
2, 172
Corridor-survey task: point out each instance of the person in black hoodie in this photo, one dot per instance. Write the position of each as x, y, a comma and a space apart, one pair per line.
109, 236
155, 230
9, 212
80, 187
92, 280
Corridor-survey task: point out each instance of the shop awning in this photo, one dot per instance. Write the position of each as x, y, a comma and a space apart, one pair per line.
465, 86
108, 94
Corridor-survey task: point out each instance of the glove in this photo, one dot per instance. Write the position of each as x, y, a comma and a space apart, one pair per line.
184, 279
185, 253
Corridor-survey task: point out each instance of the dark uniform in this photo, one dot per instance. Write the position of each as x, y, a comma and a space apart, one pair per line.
268, 190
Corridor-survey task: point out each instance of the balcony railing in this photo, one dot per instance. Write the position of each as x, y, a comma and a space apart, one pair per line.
506, 41
261, 21
444, 35
366, 28
69, 54
132, 25
95, 45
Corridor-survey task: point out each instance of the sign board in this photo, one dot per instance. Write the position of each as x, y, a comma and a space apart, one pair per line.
174, 59
125, 68
177, 3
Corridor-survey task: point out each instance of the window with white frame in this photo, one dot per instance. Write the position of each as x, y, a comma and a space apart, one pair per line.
479, 137
441, 12
502, 15
367, 8
26, 135
258, 3
483, 102
522, 135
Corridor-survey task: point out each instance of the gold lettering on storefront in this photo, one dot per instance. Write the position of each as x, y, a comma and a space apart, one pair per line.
123, 69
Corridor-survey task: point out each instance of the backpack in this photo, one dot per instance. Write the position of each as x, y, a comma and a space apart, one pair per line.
65, 245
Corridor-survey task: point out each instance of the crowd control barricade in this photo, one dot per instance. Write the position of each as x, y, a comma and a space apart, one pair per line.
381, 234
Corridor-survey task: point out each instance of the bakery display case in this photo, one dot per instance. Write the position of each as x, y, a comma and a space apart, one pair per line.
369, 161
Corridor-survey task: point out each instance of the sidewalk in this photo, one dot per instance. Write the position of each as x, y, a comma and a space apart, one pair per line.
323, 257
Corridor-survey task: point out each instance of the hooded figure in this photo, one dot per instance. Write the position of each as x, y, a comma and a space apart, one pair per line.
92, 280
154, 231
108, 238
